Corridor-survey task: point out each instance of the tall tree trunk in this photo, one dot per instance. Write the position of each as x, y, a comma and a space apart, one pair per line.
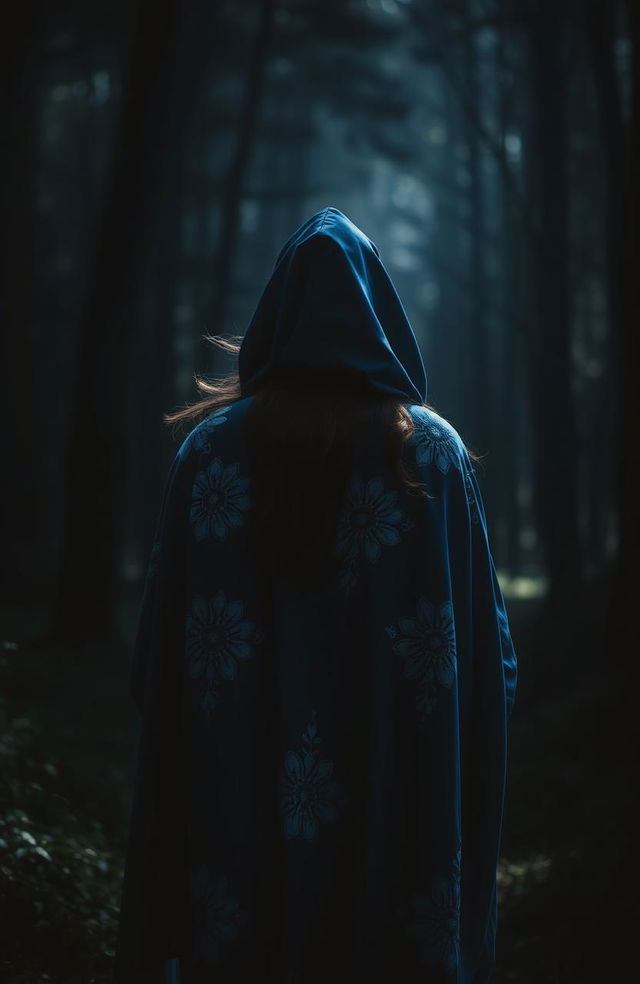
22, 486
555, 432
153, 363
622, 150
480, 383
237, 170
600, 31
599, 452
509, 406
296, 168
628, 525
96, 453
152, 383
445, 389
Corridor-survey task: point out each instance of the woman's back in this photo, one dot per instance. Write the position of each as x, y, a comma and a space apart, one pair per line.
321, 771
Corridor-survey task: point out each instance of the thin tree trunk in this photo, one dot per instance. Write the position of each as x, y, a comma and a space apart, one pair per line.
446, 389
555, 432
22, 486
153, 369
480, 383
237, 170
153, 382
509, 347
96, 453
622, 150
626, 366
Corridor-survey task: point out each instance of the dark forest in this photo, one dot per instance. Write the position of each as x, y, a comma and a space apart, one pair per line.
156, 156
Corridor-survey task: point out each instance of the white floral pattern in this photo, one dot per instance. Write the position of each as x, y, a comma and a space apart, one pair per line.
218, 499
307, 788
216, 915
435, 442
426, 644
370, 520
203, 432
435, 920
218, 638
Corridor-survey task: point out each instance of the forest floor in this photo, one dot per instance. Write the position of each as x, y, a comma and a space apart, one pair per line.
67, 740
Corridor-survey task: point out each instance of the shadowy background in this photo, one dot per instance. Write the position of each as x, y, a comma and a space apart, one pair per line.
156, 156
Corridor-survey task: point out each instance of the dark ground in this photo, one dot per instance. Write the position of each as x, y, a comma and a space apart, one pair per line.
67, 755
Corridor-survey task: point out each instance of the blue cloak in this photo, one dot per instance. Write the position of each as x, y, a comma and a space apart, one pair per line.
321, 774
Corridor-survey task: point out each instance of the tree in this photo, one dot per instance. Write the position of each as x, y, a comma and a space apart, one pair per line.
621, 138
95, 459
237, 168
22, 513
554, 427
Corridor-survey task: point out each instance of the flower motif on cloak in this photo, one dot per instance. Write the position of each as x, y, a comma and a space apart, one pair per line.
218, 638
308, 790
217, 916
370, 520
218, 500
435, 442
435, 920
426, 644
203, 432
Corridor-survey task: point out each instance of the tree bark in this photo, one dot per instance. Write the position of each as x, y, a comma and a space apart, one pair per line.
480, 383
236, 173
96, 451
22, 565
509, 405
622, 150
153, 372
554, 425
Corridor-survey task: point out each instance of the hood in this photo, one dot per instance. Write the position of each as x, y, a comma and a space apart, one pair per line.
330, 307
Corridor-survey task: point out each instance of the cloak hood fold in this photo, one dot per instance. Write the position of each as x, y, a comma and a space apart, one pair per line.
331, 307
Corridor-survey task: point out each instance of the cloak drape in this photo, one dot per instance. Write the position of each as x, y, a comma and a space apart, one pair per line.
321, 774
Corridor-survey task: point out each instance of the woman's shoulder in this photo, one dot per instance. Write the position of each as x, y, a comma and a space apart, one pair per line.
436, 441
202, 438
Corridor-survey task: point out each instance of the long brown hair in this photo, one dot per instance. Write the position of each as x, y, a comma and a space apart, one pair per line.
301, 437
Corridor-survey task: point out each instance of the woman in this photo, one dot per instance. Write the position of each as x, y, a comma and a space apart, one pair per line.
323, 667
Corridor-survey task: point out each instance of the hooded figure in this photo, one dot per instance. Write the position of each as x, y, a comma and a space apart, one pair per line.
321, 768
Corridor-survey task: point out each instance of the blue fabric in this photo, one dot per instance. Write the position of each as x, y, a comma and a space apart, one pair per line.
321, 774
330, 304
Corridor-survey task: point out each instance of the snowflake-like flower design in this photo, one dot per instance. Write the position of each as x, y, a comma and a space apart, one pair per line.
308, 790
203, 432
218, 500
427, 646
370, 520
435, 920
435, 443
218, 638
217, 916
